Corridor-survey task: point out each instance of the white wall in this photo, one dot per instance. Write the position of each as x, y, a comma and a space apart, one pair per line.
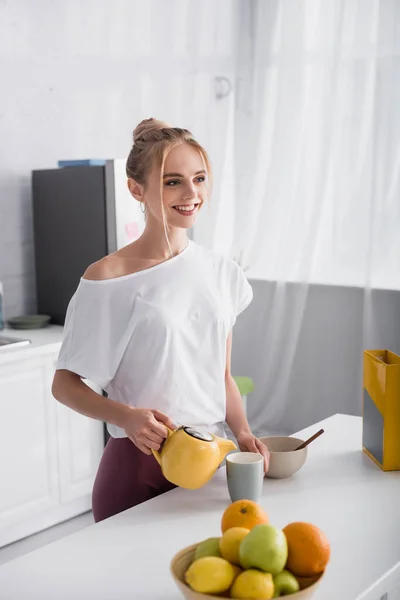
77, 76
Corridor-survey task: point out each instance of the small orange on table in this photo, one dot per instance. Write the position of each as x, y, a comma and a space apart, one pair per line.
308, 549
243, 513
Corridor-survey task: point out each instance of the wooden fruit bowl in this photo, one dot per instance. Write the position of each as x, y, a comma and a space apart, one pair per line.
183, 559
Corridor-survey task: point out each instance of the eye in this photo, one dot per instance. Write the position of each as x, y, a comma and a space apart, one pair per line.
172, 183
200, 179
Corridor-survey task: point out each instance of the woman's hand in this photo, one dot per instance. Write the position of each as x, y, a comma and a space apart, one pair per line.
249, 443
145, 428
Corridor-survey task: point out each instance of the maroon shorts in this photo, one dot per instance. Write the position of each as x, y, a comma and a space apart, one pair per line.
126, 477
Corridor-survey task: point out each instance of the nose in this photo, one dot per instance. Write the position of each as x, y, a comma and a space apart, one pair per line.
190, 192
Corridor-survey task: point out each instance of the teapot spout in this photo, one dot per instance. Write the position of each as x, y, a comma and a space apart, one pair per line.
225, 446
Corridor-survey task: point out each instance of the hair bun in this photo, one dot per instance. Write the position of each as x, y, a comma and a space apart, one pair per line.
148, 130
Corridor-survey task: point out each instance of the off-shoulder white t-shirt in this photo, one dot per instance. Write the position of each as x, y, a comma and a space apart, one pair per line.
157, 338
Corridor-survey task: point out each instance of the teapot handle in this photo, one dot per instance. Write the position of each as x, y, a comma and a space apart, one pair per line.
156, 453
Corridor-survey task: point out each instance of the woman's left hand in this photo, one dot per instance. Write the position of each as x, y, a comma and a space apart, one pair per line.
249, 443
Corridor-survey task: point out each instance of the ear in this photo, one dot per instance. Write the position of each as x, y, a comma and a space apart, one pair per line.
135, 189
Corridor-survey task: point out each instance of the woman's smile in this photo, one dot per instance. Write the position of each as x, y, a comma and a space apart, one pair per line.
187, 210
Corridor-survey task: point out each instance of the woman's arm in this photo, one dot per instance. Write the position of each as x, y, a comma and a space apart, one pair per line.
143, 426
235, 415
69, 389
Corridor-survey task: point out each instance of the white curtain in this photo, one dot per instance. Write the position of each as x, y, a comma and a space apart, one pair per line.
316, 197
319, 201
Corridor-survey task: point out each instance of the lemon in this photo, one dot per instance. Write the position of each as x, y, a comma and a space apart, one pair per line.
229, 543
253, 584
210, 575
236, 570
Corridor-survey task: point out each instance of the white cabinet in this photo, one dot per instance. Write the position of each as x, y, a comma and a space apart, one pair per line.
49, 454
80, 445
28, 443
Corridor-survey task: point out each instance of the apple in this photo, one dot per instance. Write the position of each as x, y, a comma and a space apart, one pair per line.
285, 583
208, 547
265, 548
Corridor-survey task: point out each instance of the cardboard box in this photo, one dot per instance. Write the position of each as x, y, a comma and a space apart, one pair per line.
381, 408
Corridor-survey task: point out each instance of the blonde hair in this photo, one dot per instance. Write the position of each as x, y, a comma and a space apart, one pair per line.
153, 140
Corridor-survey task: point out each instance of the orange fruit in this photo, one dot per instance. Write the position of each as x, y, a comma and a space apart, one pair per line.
243, 513
309, 549
305, 582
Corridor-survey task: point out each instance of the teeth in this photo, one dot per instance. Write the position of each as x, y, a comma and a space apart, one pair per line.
186, 208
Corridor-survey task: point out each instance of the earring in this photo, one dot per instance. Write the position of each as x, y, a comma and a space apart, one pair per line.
143, 207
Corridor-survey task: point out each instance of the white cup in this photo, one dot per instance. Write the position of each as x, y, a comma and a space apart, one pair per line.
245, 475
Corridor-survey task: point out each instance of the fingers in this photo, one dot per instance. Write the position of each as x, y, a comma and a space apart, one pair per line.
150, 439
262, 449
253, 444
249, 445
164, 419
157, 428
153, 436
148, 429
140, 446
147, 441
150, 444
144, 449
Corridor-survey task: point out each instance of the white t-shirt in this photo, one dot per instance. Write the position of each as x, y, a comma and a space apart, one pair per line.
157, 338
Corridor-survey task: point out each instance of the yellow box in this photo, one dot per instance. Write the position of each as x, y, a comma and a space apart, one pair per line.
381, 408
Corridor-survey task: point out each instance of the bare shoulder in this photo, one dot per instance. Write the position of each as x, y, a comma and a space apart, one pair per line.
118, 264
104, 268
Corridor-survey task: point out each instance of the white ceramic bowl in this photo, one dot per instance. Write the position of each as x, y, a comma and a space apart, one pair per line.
183, 559
284, 461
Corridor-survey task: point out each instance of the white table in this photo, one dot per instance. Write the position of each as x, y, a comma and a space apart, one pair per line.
127, 556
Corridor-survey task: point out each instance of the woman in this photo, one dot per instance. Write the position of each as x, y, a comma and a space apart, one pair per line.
151, 324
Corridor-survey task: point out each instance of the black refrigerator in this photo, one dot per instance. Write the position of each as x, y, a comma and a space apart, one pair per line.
80, 214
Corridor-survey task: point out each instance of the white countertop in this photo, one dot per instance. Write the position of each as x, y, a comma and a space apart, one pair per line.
47, 339
127, 556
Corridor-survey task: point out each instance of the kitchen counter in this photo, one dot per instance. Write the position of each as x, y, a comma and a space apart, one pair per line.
47, 339
127, 556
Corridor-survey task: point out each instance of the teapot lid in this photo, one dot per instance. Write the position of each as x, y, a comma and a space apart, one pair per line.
200, 435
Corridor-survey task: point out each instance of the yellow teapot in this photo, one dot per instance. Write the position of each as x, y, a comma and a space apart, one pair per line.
189, 458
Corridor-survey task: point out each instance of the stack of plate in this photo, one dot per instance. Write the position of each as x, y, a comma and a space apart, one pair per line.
29, 322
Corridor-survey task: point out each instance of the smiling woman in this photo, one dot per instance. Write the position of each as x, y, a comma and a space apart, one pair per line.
152, 325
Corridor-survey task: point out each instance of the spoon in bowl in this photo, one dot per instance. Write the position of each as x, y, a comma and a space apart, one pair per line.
309, 440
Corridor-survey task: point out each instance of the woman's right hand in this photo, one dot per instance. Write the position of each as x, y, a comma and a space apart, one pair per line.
145, 428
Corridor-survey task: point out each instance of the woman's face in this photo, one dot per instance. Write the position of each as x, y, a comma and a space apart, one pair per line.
184, 187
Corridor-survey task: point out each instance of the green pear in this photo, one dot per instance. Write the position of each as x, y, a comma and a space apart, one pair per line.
208, 547
285, 583
265, 548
